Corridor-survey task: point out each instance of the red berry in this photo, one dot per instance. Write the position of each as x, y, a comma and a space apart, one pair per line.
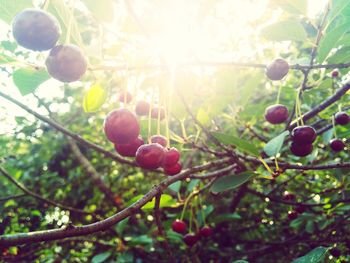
171, 157
190, 239
342, 118
337, 145
150, 156
335, 73
125, 97
277, 69
292, 215
142, 108
66, 63
335, 252
179, 226
121, 126
301, 150
300, 209
206, 231
304, 135
159, 139
154, 113
288, 196
129, 150
172, 170
276, 114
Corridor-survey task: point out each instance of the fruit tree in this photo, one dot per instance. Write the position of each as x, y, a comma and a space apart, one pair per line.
174, 131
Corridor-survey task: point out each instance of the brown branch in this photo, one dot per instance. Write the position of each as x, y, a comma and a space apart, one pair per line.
72, 231
3, 199
37, 196
161, 232
242, 190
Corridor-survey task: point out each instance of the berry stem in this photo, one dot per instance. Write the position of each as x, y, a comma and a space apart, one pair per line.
334, 130
266, 165
70, 22
186, 203
46, 5
279, 94
202, 211
150, 118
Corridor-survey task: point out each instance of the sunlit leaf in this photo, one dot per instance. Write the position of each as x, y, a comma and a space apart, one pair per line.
314, 256
278, 32
273, 147
102, 9
99, 258
94, 98
9, 8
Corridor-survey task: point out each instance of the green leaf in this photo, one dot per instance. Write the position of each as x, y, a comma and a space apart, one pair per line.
337, 9
4, 59
279, 32
230, 182
94, 98
175, 186
239, 143
327, 136
28, 79
250, 86
330, 40
225, 217
140, 240
9, 8
165, 201
102, 9
292, 6
99, 258
273, 147
314, 256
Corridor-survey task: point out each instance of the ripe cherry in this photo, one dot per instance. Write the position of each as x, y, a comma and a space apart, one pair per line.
125, 97
35, 29
150, 156
292, 215
288, 196
301, 150
179, 226
335, 252
129, 150
121, 126
300, 209
342, 118
154, 113
190, 239
335, 73
304, 135
206, 231
171, 157
142, 108
337, 145
172, 170
66, 63
277, 69
159, 139
276, 114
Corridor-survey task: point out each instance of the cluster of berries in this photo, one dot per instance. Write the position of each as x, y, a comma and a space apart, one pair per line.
38, 30
122, 128
190, 239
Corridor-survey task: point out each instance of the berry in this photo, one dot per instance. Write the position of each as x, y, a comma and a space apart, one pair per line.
303, 135
125, 97
159, 139
301, 150
35, 29
276, 114
172, 170
142, 108
335, 73
179, 226
342, 118
335, 252
129, 150
292, 215
171, 157
66, 63
154, 113
190, 239
150, 156
277, 69
288, 196
206, 231
337, 145
121, 127
300, 209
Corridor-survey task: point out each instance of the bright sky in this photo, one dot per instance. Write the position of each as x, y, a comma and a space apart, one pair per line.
196, 41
